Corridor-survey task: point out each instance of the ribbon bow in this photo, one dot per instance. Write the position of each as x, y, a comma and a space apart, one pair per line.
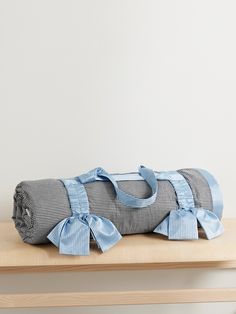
72, 234
182, 224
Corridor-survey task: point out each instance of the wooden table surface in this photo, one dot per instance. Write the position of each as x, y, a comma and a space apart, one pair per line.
146, 251
149, 251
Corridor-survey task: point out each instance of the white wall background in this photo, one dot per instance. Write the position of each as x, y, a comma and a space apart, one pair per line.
117, 84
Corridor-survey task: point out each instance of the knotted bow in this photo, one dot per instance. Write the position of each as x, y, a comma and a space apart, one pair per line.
182, 224
72, 234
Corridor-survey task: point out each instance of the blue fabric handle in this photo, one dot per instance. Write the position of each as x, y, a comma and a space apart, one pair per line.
129, 200
72, 234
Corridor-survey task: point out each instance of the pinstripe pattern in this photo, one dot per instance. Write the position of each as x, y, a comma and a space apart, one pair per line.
182, 223
216, 194
47, 203
128, 200
72, 234
77, 196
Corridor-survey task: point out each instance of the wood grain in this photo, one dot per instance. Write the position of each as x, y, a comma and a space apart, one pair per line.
148, 251
117, 298
143, 251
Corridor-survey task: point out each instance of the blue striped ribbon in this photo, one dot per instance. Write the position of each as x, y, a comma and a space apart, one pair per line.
182, 223
72, 234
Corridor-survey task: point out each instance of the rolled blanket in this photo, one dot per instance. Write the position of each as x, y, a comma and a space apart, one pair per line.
102, 206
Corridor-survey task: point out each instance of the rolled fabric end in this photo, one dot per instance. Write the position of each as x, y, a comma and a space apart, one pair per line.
38, 206
22, 214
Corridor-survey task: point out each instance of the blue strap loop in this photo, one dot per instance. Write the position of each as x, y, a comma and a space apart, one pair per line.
129, 200
72, 234
182, 223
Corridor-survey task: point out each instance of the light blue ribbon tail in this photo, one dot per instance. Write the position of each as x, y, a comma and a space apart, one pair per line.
72, 235
210, 223
103, 232
182, 224
163, 227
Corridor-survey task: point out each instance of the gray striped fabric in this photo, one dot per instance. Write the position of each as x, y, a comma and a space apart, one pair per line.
39, 205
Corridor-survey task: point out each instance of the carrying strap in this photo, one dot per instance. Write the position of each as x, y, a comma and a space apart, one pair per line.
129, 200
72, 234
